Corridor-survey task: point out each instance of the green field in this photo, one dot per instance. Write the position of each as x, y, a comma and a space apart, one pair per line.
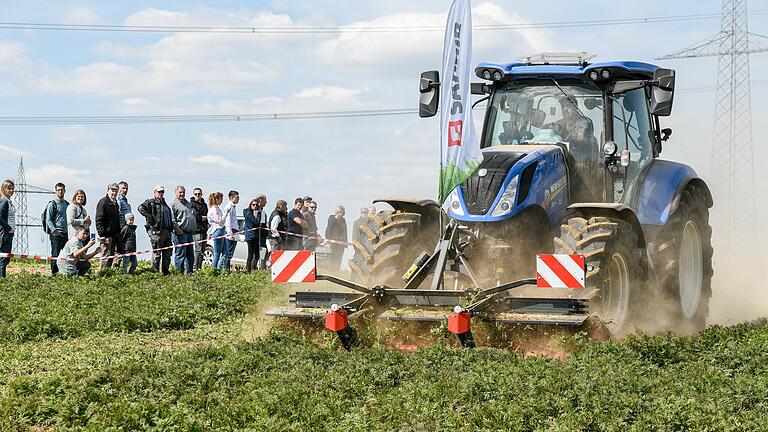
110, 352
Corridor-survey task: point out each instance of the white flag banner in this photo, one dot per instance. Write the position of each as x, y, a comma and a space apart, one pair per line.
459, 145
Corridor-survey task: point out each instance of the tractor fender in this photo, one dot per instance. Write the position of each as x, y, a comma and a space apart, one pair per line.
620, 211
429, 210
662, 187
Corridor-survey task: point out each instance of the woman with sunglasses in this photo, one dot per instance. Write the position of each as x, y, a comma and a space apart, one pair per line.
255, 222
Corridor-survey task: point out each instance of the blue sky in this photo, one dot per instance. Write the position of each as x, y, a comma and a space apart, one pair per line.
337, 161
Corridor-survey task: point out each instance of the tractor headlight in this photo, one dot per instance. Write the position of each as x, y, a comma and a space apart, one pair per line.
507, 201
454, 203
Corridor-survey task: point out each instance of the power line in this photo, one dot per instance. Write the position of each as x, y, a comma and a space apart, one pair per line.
251, 117
352, 29
202, 118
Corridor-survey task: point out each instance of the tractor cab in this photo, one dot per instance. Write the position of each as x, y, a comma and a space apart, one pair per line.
604, 117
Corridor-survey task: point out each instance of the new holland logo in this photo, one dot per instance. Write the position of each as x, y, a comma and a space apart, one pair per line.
482, 172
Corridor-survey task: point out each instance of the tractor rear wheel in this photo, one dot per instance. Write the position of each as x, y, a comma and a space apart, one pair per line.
387, 245
614, 266
683, 263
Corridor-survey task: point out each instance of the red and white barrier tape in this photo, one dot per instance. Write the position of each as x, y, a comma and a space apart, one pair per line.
116, 256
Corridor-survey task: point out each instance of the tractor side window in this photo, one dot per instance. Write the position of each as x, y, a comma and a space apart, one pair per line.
632, 131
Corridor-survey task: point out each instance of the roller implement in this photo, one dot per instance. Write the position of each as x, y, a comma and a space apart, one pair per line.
571, 215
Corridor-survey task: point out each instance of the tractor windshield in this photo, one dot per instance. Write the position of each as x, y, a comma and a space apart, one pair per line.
549, 112
541, 113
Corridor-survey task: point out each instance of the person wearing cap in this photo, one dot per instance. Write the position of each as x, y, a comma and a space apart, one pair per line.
159, 224
108, 225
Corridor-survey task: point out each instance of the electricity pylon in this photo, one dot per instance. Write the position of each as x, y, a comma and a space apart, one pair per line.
732, 168
23, 220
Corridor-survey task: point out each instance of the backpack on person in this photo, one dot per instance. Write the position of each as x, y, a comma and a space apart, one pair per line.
44, 216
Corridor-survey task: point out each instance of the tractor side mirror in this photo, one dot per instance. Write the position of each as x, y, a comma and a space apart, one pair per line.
480, 88
662, 92
430, 96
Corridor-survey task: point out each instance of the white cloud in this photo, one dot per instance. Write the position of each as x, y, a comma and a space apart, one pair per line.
220, 161
396, 49
154, 77
12, 152
50, 174
83, 15
74, 133
244, 147
135, 101
331, 93
12, 55
319, 98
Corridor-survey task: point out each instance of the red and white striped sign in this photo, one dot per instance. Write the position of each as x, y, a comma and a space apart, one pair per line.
560, 271
293, 266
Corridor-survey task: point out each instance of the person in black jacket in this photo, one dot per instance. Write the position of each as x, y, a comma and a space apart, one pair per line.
253, 226
337, 230
159, 225
127, 242
277, 223
108, 224
201, 212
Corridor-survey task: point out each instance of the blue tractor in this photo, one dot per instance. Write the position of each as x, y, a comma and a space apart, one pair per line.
570, 166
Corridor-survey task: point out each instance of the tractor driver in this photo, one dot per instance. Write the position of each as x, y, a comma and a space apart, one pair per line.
575, 129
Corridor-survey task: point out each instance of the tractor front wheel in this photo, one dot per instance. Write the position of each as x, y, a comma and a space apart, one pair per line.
614, 266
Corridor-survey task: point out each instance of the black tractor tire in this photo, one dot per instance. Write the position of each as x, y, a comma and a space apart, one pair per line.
681, 258
387, 246
615, 267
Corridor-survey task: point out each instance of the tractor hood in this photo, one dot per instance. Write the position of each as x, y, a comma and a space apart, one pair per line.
499, 188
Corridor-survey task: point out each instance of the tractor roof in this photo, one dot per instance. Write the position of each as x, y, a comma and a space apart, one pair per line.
619, 69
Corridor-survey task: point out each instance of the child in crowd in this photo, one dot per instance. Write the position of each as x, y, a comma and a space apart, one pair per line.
128, 244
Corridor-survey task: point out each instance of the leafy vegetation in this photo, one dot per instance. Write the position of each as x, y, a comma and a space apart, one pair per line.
38, 306
212, 371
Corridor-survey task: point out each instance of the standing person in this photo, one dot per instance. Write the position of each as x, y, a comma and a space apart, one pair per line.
125, 208
230, 219
128, 244
77, 248
251, 224
313, 237
263, 232
337, 230
159, 226
185, 218
108, 224
296, 226
217, 228
278, 220
76, 214
7, 222
56, 223
122, 201
201, 218
362, 220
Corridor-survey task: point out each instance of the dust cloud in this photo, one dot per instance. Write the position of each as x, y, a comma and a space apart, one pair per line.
739, 289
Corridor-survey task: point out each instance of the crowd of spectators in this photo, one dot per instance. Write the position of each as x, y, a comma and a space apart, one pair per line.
179, 230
